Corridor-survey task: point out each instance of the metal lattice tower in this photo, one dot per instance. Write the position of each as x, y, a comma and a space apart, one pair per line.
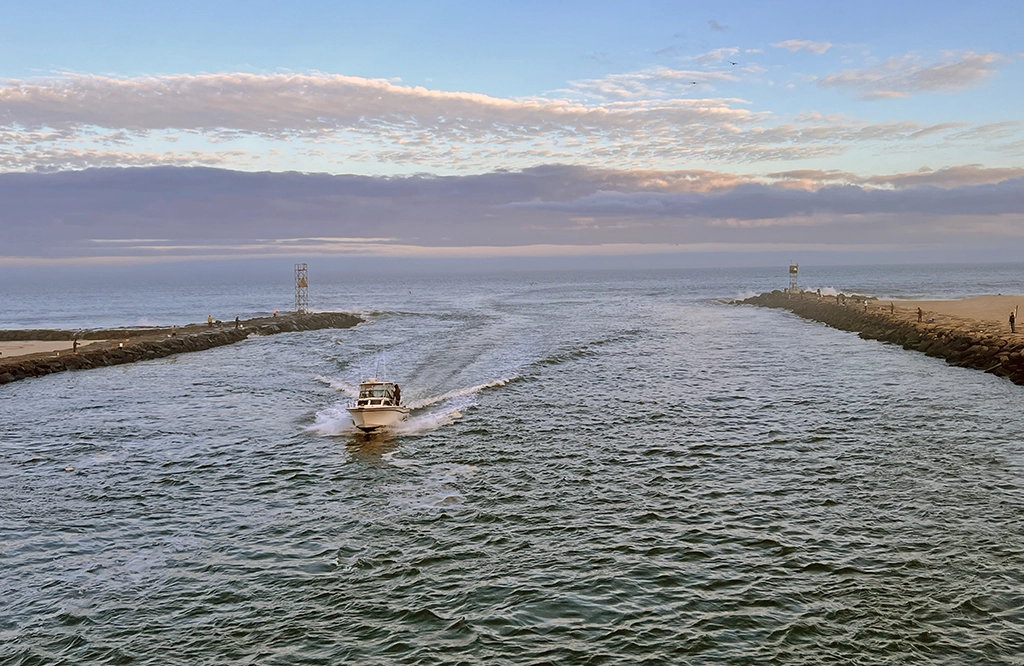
301, 289
793, 268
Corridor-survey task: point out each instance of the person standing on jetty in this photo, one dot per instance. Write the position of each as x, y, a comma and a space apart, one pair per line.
209, 320
238, 324
919, 315
1013, 322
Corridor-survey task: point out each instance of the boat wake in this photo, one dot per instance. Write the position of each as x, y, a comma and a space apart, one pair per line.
428, 414
437, 411
424, 423
458, 393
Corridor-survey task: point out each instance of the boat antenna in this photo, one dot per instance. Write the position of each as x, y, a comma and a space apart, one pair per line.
384, 363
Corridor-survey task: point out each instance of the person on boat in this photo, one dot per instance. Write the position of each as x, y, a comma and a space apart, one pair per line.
398, 395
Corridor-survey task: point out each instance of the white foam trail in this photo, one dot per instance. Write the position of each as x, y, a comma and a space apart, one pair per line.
458, 393
342, 387
389, 457
829, 291
424, 423
332, 421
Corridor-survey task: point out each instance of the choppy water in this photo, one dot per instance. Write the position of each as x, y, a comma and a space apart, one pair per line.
602, 468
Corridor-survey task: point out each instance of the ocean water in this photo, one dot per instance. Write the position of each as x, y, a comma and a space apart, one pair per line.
603, 467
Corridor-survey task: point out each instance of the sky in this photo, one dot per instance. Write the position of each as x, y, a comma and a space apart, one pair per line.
135, 133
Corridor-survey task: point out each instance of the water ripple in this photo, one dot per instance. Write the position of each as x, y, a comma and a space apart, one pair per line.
595, 474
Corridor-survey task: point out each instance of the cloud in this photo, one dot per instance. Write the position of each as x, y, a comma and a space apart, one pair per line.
757, 201
277, 106
989, 132
946, 178
715, 56
668, 50
618, 119
376, 252
903, 76
717, 27
655, 118
54, 158
650, 85
164, 212
795, 45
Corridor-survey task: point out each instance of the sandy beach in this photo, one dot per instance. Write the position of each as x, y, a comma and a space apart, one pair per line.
983, 313
16, 348
26, 347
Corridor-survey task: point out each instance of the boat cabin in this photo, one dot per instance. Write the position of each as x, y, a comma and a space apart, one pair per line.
379, 394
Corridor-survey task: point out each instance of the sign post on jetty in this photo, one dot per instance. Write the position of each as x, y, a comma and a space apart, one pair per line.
301, 289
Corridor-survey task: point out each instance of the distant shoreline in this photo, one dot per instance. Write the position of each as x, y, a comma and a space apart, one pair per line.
969, 333
45, 352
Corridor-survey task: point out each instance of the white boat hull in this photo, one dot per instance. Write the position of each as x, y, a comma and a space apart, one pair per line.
372, 418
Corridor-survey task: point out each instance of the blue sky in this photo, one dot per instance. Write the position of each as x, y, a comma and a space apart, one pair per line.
822, 96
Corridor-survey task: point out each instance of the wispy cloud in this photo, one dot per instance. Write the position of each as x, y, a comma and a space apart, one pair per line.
648, 86
717, 27
50, 157
655, 118
795, 45
715, 56
763, 202
903, 76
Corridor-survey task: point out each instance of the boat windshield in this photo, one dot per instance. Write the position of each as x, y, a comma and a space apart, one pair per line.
376, 391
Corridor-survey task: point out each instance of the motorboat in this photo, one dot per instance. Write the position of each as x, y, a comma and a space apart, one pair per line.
379, 405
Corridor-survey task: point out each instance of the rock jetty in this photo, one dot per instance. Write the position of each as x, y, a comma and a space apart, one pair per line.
119, 346
960, 345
